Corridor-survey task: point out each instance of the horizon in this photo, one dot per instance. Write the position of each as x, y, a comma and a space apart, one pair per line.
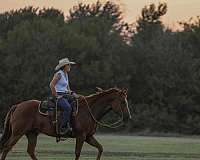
131, 9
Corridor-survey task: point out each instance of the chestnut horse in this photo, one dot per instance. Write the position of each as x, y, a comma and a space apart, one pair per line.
25, 119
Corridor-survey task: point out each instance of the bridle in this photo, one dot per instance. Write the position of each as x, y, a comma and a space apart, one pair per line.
112, 125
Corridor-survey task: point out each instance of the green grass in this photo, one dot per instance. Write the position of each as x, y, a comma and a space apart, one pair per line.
115, 148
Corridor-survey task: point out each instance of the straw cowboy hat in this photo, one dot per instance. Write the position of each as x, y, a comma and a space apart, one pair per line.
63, 62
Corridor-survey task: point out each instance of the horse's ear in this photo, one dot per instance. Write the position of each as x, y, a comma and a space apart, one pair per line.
98, 89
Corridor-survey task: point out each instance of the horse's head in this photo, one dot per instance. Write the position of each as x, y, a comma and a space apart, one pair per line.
119, 103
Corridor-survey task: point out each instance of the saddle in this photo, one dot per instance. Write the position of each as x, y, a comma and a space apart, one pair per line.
48, 108
48, 105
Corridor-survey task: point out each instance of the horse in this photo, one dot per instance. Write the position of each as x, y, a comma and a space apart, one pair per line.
25, 119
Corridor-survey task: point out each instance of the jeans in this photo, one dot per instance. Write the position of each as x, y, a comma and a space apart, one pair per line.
67, 109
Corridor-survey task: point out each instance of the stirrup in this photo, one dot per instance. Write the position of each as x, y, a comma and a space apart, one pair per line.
64, 131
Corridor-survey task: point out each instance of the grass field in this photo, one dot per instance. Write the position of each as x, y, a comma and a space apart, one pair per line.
115, 148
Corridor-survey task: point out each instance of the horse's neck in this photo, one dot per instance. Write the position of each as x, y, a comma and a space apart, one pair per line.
100, 106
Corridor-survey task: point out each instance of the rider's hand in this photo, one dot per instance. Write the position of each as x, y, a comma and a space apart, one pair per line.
75, 95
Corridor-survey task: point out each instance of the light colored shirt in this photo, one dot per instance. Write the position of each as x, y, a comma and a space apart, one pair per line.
63, 83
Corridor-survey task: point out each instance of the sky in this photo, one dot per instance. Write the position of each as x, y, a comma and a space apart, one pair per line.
178, 10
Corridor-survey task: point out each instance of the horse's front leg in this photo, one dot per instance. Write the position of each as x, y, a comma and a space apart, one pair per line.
93, 142
79, 144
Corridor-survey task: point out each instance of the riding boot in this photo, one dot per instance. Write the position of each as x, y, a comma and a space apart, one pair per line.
65, 129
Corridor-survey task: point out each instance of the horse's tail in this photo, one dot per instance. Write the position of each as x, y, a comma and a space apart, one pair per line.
7, 128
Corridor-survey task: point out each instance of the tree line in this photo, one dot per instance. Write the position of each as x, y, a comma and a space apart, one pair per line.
159, 66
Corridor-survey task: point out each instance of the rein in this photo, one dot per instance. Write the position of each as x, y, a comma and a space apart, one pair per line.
113, 125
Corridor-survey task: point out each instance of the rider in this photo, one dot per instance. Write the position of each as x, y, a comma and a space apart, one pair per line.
60, 86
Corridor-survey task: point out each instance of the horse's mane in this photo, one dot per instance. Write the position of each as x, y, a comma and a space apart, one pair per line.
99, 94
103, 92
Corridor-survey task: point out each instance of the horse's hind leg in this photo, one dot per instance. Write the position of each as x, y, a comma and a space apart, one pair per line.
32, 141
9, 144
93, 142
